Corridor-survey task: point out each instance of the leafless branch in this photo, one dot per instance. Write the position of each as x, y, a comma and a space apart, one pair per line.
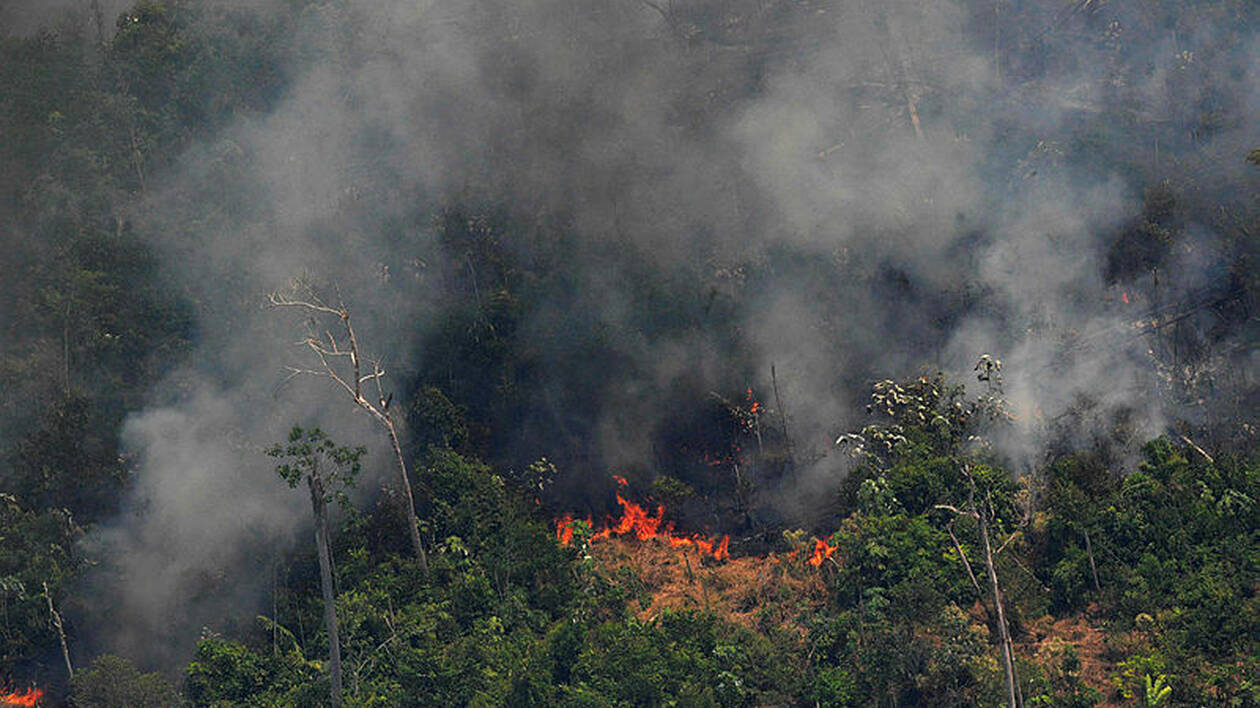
956, 510
1198, 449
351, 383
963, 555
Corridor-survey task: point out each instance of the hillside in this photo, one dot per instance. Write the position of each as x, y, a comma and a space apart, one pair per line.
629, 353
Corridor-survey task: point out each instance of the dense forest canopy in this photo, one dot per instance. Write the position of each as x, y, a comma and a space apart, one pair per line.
958, 299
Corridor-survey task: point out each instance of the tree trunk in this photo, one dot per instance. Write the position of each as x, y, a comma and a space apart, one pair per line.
353, 385
413, 524
320, 506
778, 402
55, 617
1093, 569
1004, 634
1014, 694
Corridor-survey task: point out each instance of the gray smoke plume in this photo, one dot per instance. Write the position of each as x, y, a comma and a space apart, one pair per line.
884, 187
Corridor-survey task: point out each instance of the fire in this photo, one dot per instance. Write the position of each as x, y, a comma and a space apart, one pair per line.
26, 698
1124, 296
644, 525
721, 550
754, 406
638, 521
564, 530
822, 551
736, 457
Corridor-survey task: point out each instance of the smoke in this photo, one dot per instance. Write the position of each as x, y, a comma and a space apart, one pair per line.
844, 191
21, 18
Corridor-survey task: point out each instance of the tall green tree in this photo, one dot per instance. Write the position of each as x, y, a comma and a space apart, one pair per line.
328, 469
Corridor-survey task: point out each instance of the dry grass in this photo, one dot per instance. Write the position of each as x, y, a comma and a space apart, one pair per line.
757, 592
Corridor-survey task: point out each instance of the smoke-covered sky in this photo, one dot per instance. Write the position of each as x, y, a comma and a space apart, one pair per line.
892, 186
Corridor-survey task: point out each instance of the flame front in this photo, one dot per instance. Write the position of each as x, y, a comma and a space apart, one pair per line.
636, 520
25, 698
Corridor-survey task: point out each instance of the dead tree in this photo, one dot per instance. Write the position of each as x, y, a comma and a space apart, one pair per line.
983, 516
54, 617
329, 349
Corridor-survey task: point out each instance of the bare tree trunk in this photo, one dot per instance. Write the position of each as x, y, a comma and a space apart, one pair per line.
320, 507
275, 616
65, 353
778, 402
1007, 647
1004, 634
966, 563
55, 617
137, 155
413, 524
1093, 569
327, 349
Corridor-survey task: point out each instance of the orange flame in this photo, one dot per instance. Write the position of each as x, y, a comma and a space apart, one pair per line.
564, 530
26, 698
621, 481
636, 520
1124, 296
822, 551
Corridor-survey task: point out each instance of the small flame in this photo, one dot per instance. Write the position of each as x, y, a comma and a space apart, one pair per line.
734, 458
1124, 297
621, 481
822, 551
26, 698
564, 530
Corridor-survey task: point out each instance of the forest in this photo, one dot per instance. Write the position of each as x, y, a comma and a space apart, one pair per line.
629, 353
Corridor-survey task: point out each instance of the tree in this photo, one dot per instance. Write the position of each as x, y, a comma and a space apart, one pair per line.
113, 682
931, 424
328, 348
984, 515
327, 469
39, 559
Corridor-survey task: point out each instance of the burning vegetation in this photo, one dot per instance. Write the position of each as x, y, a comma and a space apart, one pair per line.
756, 591
638, 523
635, 521
13, 699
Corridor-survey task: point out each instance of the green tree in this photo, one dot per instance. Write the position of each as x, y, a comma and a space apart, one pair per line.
328, 469
39, 559
113, 682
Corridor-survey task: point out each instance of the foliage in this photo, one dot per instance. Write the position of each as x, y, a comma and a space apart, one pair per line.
113, 682
230, 673
312, 453
1161, 551
38, 554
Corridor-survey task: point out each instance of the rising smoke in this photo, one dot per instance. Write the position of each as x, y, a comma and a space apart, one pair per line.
865, 189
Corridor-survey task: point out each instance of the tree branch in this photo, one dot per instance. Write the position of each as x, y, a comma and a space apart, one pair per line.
963, 555
352, 384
